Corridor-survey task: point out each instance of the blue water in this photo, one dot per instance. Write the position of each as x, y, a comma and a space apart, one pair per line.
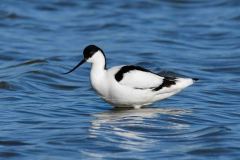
47, 115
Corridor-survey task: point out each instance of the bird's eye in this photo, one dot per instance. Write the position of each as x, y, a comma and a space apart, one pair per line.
88, 55
91, 53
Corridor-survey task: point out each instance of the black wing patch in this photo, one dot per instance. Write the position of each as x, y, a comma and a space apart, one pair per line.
125, 69
167, 82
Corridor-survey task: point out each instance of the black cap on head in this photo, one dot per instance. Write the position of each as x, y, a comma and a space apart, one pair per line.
89, 51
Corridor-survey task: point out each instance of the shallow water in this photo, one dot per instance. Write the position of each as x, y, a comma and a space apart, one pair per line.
47, 115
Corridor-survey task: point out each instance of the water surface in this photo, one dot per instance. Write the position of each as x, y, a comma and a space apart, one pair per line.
47, 115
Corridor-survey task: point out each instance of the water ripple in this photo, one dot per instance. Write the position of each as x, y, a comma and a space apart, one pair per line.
6, 85
12, 143
47, 115
8, 154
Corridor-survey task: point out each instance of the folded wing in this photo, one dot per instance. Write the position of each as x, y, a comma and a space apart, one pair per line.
138, 78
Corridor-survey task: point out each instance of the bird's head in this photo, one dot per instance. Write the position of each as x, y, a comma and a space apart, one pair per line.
91, 54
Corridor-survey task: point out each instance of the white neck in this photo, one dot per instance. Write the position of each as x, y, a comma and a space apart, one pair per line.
98, 61
98, 72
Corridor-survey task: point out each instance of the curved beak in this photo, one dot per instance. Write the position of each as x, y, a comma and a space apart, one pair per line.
79, 64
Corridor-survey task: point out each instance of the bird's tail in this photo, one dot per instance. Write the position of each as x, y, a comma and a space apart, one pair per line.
177, 85
182, 83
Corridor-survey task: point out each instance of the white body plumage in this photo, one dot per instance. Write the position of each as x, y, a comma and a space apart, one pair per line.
129, 86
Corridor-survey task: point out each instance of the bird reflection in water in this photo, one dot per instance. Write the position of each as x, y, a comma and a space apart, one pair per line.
134, 127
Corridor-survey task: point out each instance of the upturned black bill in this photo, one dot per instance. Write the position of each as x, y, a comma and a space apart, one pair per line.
79, 64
